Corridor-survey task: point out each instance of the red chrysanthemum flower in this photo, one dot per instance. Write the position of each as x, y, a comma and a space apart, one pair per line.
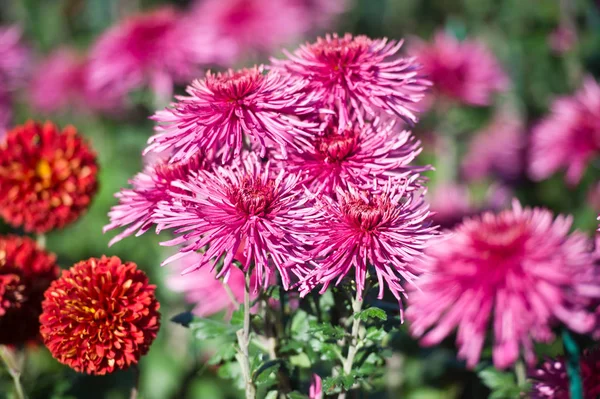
47, 176
551, 381
100, 315
354, 155
518, 270
138, 203
383, 230
461, 70
221, 108
26, 270
358, 74
243, 205
569, 137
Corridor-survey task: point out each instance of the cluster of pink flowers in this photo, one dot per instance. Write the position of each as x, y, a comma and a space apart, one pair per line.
263, 160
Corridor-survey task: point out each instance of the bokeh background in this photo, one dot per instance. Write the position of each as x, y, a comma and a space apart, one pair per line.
545, 47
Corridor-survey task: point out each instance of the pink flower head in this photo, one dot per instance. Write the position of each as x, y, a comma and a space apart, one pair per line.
517, 269
562, 39
14, 58
358, 74
551, 381
138, 203
464, 71
155, 48
202, 289
569, 137
61, 81
385, 228
316, 387
224, 106
244, 204
324, 12
251, 26
497, 151
354, 155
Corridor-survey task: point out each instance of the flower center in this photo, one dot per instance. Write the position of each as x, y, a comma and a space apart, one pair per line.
336, 147
234, 86
11, 292
501, 242
339, 51
366, 215
254, 197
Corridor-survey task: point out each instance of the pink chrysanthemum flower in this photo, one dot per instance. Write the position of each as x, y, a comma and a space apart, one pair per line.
551, 381
516, 270
241, 24
244, 204
354, 155
14, 57
358, 74
138, 203
497, 151
156, 48
463, 71
61, 81
202, 289
385, 228
223, 107
316, 387
569, 137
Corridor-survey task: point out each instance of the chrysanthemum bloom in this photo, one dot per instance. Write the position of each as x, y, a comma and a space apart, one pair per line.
316, 387
26, 270
354, 155
464, 71
202, 289
223, 107
516, 270
156, 48
569, 137
551, 380
47, 176
138, 203
247, 205
498, 151
62, 80
101, 315
358, 74
384, 228
240, 24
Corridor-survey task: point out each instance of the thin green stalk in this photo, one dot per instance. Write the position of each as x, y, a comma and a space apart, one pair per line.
243, 335
135, 390
357, 304
13, 369
573, 369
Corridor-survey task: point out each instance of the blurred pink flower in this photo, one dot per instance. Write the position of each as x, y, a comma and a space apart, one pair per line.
5, 114
324, 12
222, 107
562, 39
358, 75
551, 381
244, 204
253, 26
385, 227
497, 151
316, 387
155, 49
569, 137
61, 81
464, 71
202, 289
14, 68
138, 203
354, 155
519, 268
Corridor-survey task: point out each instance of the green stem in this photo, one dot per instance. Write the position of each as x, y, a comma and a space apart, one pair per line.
357, 304
243, 335
135, 390
573, 369
13, 370
520, 373
41, 241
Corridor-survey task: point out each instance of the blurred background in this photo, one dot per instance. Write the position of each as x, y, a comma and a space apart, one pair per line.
543, 49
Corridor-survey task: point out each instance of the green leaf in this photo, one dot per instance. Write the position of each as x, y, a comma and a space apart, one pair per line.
296, 395
326, 331
371, 313
204, 328
502, 384
376, 334
271, 395
261, 375
226, 352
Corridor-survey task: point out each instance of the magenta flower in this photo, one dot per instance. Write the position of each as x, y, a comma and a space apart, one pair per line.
497, 151
240, 24
358, 74
138, 203
316, 387
569, 137
156, 48
463, 71
242, 205
354, 155
61, 81
516, 270
222, 107
324, 12
551, 381
202, 289
385, 227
